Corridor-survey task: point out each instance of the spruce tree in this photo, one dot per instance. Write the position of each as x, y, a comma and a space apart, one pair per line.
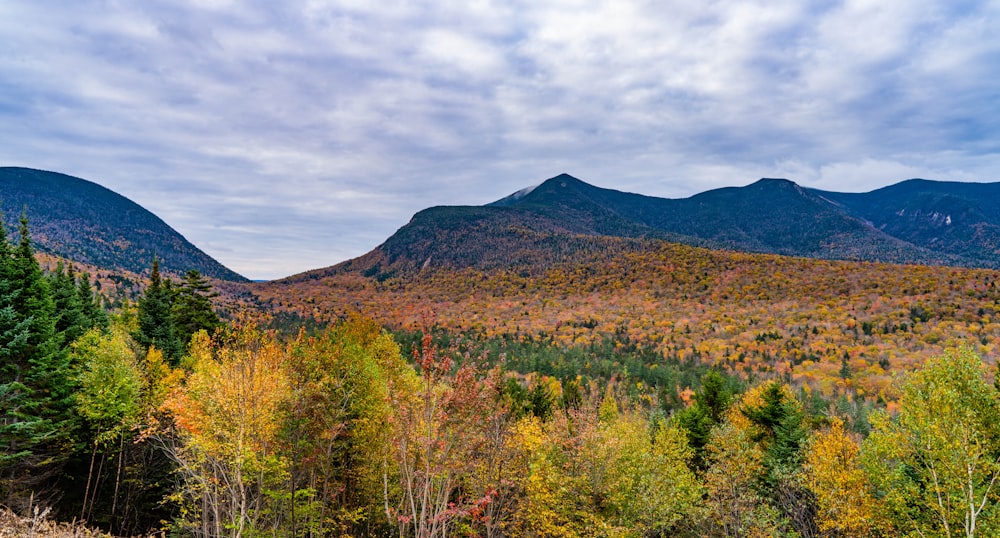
782, 427
90, 303
156, 323
192, 308
71, 322
711, 403
18, 422
38, 384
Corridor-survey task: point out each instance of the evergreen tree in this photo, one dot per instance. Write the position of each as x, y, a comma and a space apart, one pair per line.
38, 385
782, 433
71, 322
845, 368
192, 306
710, 405
156, 322
714, 395
18, 422
782, 426
90, 303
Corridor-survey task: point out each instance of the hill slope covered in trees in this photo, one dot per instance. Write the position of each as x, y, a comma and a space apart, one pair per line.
915, 222
87, 223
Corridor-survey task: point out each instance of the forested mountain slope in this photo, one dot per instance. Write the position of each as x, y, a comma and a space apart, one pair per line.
87, 223
961, 219
941, 224
770, 215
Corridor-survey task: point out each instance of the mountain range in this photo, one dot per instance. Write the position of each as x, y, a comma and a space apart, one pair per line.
913, 222
86, 223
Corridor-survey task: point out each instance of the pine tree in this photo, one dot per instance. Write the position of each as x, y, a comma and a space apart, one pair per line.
71, 322
39, 383
192, 307
90, 302
156, 323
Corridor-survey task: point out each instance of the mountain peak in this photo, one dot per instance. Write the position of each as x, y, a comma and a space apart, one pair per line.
564, 177
556, 218
564, 181
553, 184
774, 182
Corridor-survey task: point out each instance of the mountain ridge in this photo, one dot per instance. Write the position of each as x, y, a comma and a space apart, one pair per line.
916, 221
769, 215
82, 221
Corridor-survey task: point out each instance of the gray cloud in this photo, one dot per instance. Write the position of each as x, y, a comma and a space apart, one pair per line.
284, 136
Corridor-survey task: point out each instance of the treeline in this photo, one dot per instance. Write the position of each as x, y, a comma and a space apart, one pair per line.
339, 434
72, 388
841, 328
163, 418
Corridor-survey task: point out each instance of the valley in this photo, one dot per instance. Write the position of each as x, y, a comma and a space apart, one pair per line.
566, 361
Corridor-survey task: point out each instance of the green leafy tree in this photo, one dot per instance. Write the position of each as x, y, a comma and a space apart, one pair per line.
937, 462
109, 401
334, 432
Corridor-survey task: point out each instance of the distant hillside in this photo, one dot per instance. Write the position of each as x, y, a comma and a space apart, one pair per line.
960, 219
772, 215
585, 269
85, 222
537, 227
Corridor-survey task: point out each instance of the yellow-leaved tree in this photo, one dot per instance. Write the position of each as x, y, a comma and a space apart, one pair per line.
845, 506
648, 487
227, 417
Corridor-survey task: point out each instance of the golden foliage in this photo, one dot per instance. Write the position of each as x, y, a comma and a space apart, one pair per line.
745, 313
845, 505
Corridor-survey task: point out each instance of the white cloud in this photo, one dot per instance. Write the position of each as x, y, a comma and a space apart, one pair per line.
239, 121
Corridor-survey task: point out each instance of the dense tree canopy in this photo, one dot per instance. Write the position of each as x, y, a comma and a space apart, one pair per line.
168, 419
38, 314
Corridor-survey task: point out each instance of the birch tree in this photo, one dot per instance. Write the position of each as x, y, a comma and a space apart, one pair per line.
938, 461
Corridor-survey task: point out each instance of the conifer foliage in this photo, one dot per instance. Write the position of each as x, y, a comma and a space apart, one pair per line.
39, 315
169, 316
156, 321
192, 309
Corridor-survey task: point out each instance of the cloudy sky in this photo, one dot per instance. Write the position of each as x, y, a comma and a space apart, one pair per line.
286, 136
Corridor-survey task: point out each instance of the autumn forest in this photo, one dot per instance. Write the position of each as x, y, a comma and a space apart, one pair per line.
633, 388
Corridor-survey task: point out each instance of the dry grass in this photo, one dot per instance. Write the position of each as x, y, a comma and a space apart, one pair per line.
40, 526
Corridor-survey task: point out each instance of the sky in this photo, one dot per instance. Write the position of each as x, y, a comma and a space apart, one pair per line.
286, 136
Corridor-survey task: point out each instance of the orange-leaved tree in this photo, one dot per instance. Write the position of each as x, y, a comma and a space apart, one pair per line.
226, 418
